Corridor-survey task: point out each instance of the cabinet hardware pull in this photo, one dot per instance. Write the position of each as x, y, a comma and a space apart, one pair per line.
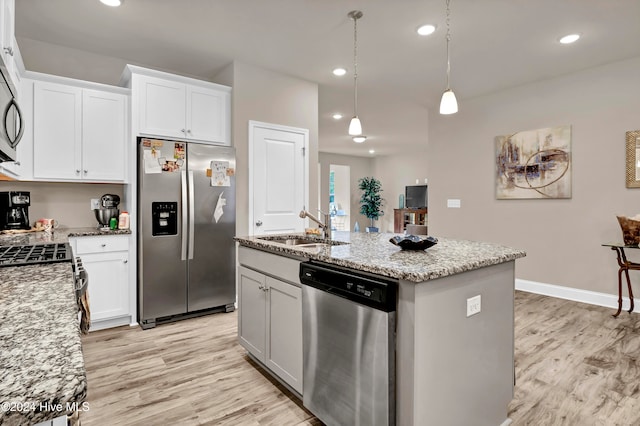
189, 131
77, 171
8, 50
183, 130
103, 245
17, 163
125, 261
85, 172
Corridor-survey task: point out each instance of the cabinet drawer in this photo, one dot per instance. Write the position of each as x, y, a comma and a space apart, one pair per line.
101, 244
281, 267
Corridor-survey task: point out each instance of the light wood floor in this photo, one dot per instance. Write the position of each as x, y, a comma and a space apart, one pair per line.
575, 365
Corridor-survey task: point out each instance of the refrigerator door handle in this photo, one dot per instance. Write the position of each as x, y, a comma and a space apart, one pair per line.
191, 214
183, 207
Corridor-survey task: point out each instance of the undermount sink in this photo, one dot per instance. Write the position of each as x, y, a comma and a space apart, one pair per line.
302, 241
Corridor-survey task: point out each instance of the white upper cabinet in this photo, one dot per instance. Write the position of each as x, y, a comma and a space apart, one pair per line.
7, 39
175, 107
57, 131
78, 134
162, 107
208, 115
103, 135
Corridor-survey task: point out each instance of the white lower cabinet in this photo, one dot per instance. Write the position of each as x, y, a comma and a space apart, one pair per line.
106, 260
270, 322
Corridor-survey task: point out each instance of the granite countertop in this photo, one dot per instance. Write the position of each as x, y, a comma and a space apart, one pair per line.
41, 361
60, 235
374, 253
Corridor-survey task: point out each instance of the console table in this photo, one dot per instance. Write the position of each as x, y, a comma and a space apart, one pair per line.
404, 217
625, 266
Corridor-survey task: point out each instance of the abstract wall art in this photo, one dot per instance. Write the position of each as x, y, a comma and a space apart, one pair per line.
534, 164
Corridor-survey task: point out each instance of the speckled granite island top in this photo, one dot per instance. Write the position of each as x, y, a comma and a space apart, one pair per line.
41, 361
374, 253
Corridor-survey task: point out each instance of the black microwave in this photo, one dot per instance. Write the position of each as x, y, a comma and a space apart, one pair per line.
12, 126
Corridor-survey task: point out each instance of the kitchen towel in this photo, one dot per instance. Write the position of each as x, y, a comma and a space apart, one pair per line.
85, 313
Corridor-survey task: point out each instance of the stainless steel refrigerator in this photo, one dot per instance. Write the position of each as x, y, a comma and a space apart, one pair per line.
186, 224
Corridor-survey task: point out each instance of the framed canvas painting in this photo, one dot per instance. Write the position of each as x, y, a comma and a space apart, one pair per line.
534, 164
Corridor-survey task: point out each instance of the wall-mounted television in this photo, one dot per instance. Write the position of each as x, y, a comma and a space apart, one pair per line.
415, 196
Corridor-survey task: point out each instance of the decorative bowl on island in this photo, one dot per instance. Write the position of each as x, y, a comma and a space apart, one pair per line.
413, 242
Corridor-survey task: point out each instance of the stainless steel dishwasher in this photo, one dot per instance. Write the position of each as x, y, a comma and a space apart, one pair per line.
348, 325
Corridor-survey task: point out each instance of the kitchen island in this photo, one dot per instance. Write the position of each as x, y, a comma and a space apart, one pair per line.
451, 367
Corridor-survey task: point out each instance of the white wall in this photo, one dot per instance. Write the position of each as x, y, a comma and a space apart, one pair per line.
359, 167
395, 172
263, 95
562, 237
68, 203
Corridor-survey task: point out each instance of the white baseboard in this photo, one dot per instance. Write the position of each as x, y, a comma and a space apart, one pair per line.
578, 295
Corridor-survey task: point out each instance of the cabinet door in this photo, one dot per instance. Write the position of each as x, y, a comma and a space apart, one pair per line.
208, 115
57, 131
8, 47
162, 107
103, 135
284, 335
252, 311
108, 284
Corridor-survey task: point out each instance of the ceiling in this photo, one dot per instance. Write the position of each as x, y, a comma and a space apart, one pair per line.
495, 44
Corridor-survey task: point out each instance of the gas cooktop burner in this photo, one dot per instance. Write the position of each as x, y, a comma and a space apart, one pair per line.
35, 254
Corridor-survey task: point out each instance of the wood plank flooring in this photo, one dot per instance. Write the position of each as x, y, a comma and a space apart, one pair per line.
575, 365
191, 372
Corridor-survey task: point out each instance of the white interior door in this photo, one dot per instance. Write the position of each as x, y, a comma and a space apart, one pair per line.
278, 173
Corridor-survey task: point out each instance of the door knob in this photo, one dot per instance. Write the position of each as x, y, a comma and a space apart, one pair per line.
259, 223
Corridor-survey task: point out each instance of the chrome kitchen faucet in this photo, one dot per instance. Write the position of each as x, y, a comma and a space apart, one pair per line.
325, 226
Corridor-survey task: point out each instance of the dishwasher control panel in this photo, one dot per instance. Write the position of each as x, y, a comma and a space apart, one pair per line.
379, 293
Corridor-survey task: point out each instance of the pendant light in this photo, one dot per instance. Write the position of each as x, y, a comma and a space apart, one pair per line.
448, 103
355, 127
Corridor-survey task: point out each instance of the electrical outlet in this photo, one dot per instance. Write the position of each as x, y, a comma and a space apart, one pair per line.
95, 203
473, 305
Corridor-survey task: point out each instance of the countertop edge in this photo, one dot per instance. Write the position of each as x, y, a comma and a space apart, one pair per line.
502, 254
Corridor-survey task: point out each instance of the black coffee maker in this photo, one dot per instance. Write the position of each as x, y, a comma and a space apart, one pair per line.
14, 210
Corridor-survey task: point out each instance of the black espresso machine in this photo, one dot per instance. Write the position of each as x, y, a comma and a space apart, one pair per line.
14, 210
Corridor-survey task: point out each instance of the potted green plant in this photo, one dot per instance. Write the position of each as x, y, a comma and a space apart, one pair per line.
371, 201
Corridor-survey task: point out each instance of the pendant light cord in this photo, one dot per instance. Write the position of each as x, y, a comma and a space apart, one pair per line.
448, 40
355, 66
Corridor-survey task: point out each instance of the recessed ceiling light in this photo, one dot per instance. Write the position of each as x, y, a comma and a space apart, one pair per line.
372, 151
337, 116
571, 38
425, 30
359, 139
339, 71
112, 3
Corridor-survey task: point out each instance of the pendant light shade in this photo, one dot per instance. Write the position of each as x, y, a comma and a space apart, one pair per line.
448, 103
355, 127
